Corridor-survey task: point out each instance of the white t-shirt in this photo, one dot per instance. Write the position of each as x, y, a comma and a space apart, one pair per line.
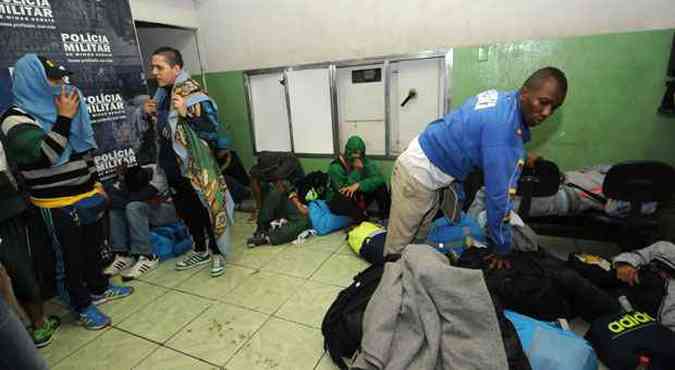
420, 167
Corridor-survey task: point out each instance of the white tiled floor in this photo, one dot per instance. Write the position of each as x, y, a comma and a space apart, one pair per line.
265, 312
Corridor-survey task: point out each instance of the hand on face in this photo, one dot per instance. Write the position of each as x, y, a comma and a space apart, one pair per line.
67, 104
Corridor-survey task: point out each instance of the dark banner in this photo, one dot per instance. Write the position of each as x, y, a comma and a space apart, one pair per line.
96, 40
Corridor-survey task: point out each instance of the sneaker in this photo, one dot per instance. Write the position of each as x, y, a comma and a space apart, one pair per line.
120, 264
113, 292
143, 265
258, 239
217, 265
93, 319
44, 335
193, 260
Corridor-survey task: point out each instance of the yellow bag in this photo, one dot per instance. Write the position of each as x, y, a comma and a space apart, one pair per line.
358, 234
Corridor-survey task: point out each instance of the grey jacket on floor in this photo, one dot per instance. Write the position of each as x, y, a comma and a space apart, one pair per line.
663, 252
428, 315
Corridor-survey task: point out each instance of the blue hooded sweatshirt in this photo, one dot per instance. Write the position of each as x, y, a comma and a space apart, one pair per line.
487, 132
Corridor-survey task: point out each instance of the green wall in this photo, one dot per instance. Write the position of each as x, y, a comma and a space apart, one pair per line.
615, 85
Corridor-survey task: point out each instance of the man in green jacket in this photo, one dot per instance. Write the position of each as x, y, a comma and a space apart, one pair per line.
355, 182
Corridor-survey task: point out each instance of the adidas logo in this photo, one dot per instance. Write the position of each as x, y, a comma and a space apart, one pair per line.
628, 321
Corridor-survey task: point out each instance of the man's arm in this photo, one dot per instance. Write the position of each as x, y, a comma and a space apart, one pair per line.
372, 178
501, 168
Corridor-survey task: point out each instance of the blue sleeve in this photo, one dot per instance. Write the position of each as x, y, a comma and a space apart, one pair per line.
502, 169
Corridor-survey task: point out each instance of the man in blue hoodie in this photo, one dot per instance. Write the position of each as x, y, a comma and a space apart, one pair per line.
488, 132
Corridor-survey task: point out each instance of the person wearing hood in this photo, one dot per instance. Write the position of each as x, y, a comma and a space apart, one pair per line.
488, 132
47, 133
191, 140
355, 182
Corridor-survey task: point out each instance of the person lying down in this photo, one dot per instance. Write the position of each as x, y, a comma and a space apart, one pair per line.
571, 199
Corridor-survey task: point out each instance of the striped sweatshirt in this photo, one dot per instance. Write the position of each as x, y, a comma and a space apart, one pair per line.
36, 153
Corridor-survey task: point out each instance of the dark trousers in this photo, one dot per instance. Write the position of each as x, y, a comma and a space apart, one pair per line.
81, 248
191, 210
343, 206
16, 254
276, 206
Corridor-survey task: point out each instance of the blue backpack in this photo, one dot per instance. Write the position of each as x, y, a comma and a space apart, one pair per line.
170, 240
323, 221
550, 347
453, 236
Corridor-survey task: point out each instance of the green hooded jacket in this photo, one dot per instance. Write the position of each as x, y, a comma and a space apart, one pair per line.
370, 178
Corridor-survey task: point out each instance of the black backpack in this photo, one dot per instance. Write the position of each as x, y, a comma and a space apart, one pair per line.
620, 340
316, 180
273, 166
342, 325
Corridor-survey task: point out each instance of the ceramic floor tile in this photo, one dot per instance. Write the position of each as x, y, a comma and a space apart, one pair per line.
280, 345
165, 316
218, 333
340, 270
327, 243
309, 305
254, 257
203, 284
166, 274
264, 291
69, 338
300, 261
167, 359
144, 293
112, 350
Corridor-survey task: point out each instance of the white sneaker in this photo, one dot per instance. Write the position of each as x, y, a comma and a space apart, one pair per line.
120, 264
143, 265
217, 265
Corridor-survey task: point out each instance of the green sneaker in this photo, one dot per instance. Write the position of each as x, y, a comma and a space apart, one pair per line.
44, 335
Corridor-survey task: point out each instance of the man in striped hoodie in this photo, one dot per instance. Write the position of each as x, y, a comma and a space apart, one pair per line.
47, 133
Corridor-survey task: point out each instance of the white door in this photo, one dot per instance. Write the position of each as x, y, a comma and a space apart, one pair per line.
360, 93
417, 98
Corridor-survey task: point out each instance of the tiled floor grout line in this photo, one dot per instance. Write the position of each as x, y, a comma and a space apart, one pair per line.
103, 331
166, 346
142, 307
233, 355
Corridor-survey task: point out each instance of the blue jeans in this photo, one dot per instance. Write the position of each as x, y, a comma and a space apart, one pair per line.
18, 350
130, 227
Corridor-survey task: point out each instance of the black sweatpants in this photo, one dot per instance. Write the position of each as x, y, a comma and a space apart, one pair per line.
343, 206
195, 215
81, 248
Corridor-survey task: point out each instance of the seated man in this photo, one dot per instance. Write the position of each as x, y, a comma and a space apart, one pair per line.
140, 200
280, 203
270, 167
355, 181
